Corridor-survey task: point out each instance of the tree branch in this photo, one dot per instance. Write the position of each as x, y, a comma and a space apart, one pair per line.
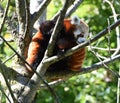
105, 66
10, 24
73, 7
117, 28
58, 13
4, 16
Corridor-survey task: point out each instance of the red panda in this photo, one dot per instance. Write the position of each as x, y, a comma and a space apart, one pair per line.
73, 32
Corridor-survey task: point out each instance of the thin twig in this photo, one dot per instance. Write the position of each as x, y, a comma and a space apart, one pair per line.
58, 13
8, 58
27, 17
117, 28
108, 37
100, 64
53, 83
4, 16
73, 7
9, 22
105, 66
99, 48
100, 56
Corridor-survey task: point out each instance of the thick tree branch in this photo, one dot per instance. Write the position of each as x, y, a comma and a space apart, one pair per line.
21, 13
28, 30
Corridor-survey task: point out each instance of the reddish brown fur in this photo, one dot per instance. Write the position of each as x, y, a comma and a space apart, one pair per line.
34, 49
69, 28
77, 60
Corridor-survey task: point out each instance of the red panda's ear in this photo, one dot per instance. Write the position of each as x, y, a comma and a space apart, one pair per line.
68, 26
47, 27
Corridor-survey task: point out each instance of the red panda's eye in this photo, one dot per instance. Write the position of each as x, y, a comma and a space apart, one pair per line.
79, 35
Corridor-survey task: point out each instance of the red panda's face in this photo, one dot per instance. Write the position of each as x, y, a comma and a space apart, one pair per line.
81, 29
